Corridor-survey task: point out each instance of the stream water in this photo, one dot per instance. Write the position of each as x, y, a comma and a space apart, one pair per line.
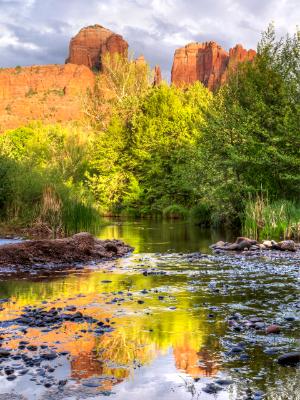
180, 323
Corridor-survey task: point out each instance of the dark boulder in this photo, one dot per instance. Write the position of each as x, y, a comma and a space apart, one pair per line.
289, 359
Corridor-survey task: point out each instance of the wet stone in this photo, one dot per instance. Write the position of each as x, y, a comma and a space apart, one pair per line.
5, 352
224, 382
289, 359
212, 388
32, 347
11, 377
49, 356
273, 329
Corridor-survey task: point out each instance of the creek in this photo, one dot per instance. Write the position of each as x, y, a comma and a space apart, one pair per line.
172, 320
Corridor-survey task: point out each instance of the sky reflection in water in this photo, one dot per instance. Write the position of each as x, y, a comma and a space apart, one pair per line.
165, 348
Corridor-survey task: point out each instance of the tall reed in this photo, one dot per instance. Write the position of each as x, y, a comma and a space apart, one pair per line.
271, 220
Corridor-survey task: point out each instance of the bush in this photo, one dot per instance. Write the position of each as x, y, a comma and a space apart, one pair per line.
175, 211
201, 214
42, 179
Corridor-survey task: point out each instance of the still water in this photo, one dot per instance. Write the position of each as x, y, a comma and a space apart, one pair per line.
168, 307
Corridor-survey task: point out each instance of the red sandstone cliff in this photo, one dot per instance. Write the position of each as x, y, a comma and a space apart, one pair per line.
51, 93
91, 43
206, 62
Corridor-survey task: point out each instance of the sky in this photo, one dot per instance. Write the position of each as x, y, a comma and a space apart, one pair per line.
38, 31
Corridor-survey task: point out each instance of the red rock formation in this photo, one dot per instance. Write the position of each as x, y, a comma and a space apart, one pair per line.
91, 43
237, 54
51, 93
206, 62
157, 76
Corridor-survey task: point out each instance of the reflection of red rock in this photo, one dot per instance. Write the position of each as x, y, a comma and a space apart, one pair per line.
206, 62
85, 365
187, 359
91, 43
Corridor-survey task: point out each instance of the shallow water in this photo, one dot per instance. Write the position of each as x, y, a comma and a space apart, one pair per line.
168, 307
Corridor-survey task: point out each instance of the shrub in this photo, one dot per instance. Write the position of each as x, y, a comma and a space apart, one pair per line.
201, 214
175, 211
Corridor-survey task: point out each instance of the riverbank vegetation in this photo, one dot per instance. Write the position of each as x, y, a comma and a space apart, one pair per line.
166, 151
42, 173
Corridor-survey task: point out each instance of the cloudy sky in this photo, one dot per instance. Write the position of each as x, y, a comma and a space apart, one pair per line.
38, 31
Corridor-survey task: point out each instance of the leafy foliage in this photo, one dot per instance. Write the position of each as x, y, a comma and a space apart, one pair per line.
164, 150
252, 140
149, 161
42, 176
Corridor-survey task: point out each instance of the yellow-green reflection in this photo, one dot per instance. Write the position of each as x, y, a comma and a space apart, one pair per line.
152, 236
142, 331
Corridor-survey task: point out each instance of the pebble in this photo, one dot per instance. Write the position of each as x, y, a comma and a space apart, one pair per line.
5, 352
212, 388
273, 329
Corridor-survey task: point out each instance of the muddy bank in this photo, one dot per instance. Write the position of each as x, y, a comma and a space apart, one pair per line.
58, 253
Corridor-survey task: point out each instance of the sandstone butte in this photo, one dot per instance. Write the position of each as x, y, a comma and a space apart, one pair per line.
92, 43
54, 93
206, 62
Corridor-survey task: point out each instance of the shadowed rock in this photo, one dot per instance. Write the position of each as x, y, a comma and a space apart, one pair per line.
289, 359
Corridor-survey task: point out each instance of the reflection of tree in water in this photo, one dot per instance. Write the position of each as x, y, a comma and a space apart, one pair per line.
126, 348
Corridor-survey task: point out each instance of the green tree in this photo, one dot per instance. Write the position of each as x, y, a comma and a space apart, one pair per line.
252, 139
149, 161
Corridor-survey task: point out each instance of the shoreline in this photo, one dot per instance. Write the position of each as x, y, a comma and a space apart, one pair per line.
48, 256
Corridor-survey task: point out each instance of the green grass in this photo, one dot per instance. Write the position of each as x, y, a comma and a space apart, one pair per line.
175, 211
78, 217
277, 220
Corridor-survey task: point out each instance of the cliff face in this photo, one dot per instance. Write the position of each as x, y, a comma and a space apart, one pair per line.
206, 62
51, 93
92, 43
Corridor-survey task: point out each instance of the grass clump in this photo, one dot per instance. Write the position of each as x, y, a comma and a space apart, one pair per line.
201, 214
175, 211
272, 220
42, 180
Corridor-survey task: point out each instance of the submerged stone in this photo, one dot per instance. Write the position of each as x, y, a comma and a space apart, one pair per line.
289, 359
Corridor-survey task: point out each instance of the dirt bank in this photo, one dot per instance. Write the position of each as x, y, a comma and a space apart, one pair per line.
58, 253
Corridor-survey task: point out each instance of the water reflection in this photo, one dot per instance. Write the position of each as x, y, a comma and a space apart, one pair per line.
168, 329
161, 236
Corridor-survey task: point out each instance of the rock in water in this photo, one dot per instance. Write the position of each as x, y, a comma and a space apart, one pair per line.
287, 245
81, 247
273, 329
289, 359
